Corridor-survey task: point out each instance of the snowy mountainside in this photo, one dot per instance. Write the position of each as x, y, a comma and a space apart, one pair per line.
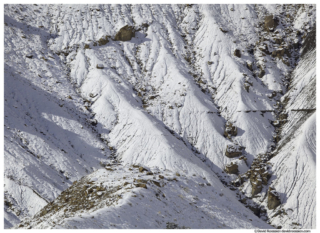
123, 197
294, 162
169, 98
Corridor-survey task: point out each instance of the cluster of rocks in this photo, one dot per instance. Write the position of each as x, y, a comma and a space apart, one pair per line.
172, 225
82, 195
126, 33
230, 130
282, 119
257, 174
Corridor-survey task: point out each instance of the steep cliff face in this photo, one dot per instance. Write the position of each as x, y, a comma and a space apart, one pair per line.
188, 89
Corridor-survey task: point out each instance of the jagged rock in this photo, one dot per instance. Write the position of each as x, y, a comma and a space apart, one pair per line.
237, 53
250, 66
237, 182
278, 123
100, 66
261, 73
264, 48
272, 95
232, 168
265, 177
233, 151
141, 185
103, 40
93, 122
283, 116
161, 177
256, 183
243, 200
243, 158
142, 181
224, 31
255, 210
246, 86
278, 53
276, 138
156, 183
269, 23
125, 33
142, 169
149, 173
171, 225
278, 40
273, 199
230, 130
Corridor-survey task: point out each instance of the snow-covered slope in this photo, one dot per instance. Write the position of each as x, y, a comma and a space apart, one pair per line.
76, 97
294, 162
112, 198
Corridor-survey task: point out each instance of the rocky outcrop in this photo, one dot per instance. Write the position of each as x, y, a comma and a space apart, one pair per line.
232, 168
261, 73
258, 174
270, 23
224, 31
237, 53
233, 151
230, 130
247, 86
264, 48
100, 66
125, 34
142, 169
278, 40
256, 183
273, 199
140, 185
103, 40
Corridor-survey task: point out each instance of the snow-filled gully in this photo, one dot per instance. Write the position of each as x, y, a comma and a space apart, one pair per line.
164, 99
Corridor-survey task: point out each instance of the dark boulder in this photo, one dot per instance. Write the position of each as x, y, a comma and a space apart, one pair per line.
233, 151
140, 185
100, 66
270, 23
261, 73
232, 168
256, 183
273, 199
142, 169
237, 53
278, 40
224, 31
125, 34
249, 66
103, 40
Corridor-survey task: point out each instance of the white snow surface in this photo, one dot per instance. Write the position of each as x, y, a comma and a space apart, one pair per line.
161, 100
